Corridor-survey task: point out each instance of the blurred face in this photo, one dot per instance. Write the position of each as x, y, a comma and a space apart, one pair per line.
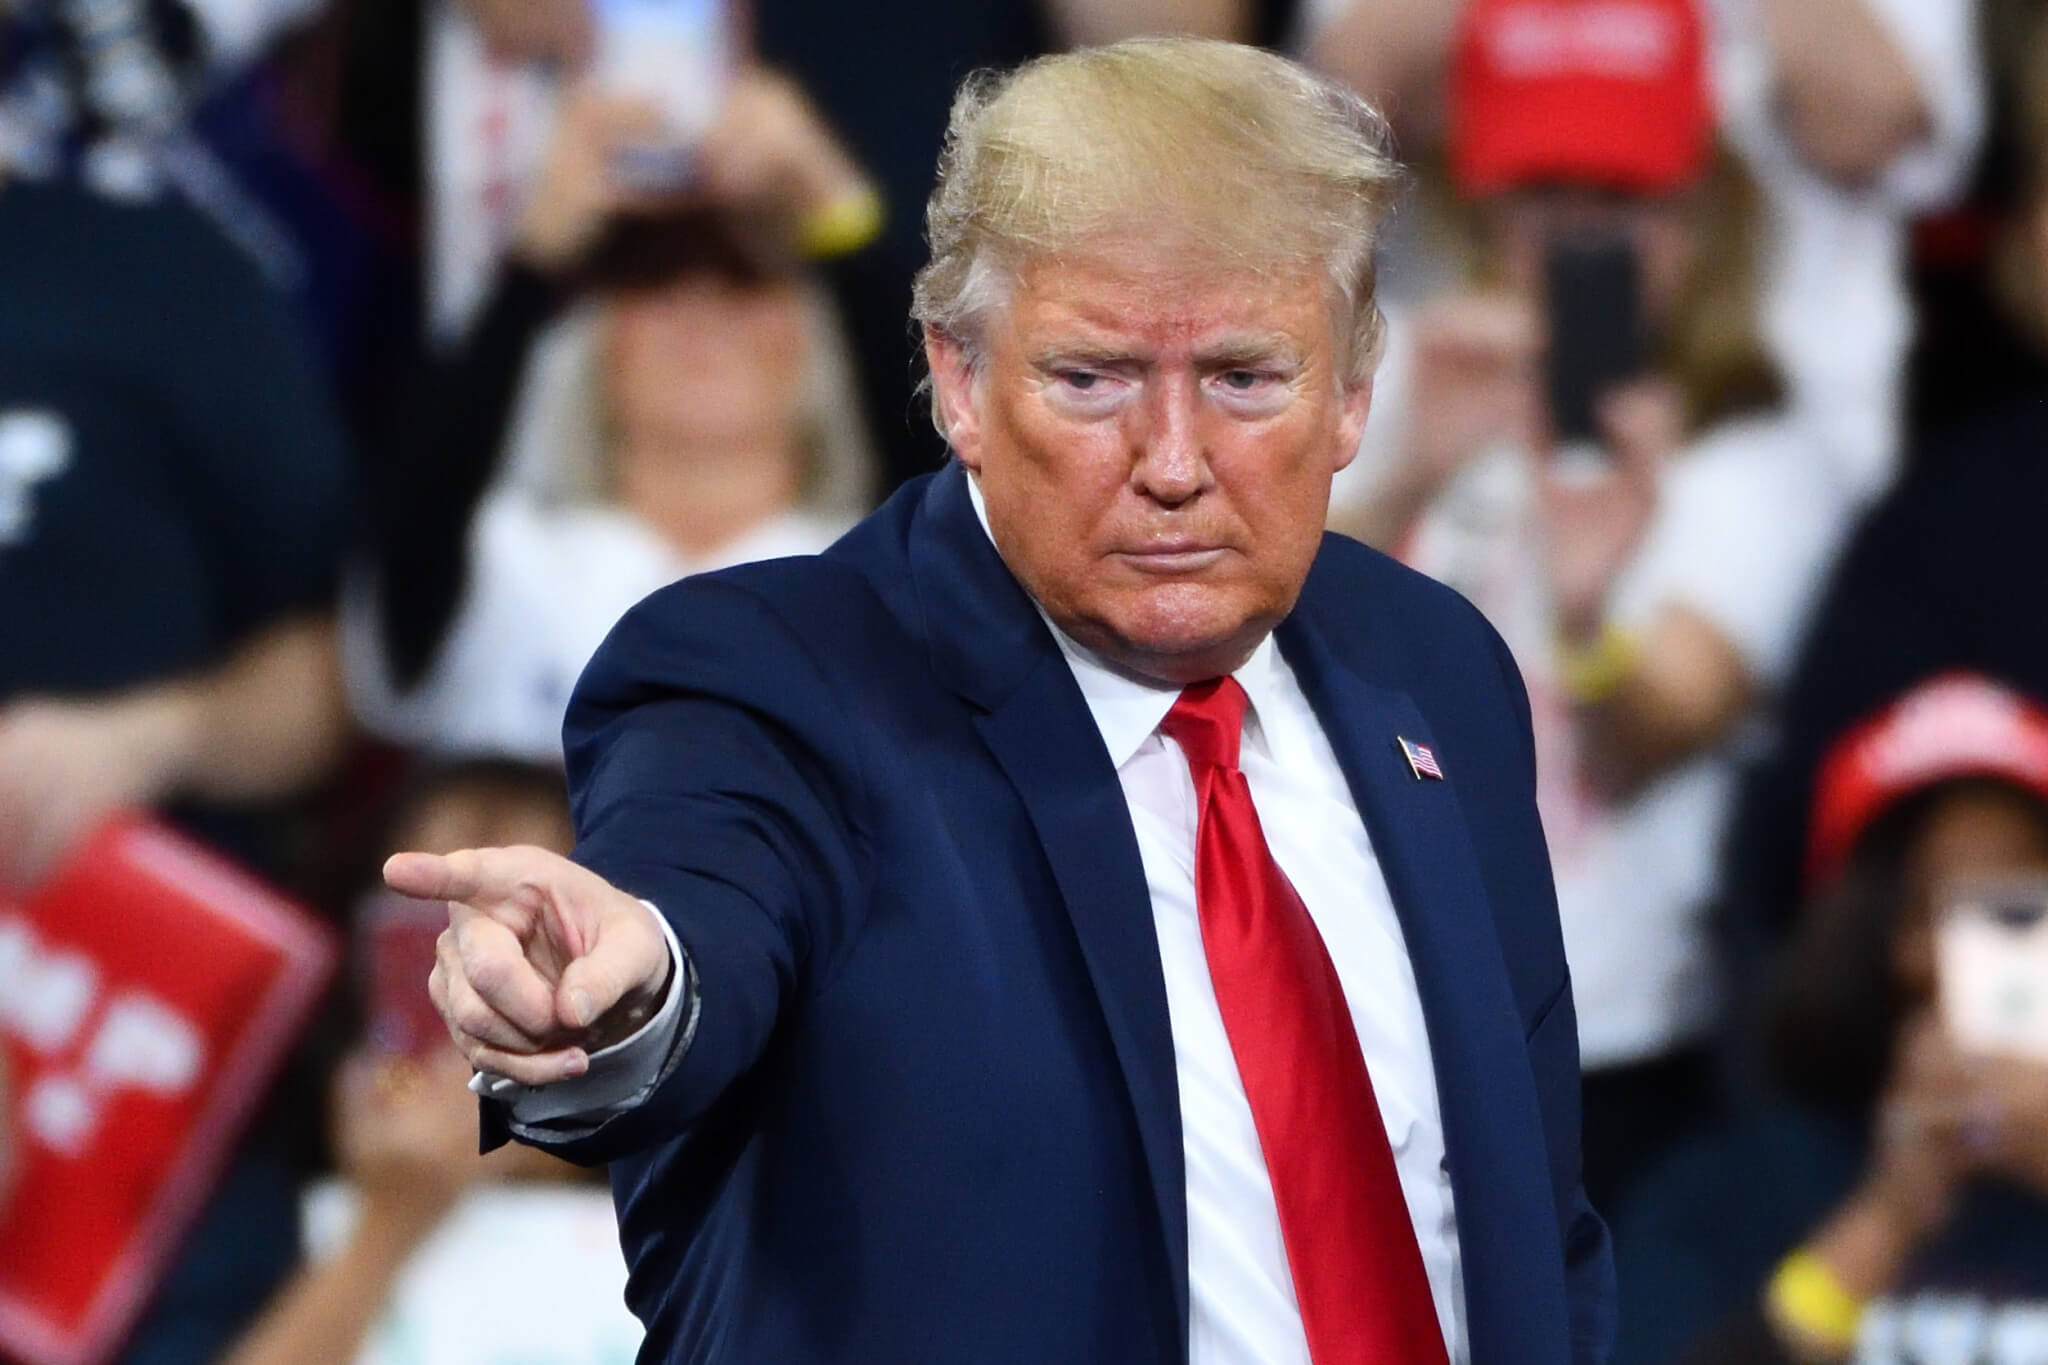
477, 816
1522, 223
1973, 833
1155, 450
705, 360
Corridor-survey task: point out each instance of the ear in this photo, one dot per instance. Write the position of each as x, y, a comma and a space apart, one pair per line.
1351, 422
953, 395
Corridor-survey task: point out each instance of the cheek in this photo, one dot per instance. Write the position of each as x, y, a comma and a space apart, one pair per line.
776, 337
1279, 473
1073, 471
1913, 956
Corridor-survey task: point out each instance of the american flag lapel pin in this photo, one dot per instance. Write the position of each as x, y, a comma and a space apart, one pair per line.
1421, 761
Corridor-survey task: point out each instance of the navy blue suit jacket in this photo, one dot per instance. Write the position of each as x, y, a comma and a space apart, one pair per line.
929, 1112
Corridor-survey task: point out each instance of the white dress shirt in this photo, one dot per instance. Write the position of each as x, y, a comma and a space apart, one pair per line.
1241, 1299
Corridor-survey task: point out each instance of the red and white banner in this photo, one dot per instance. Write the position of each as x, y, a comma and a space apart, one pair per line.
148, 992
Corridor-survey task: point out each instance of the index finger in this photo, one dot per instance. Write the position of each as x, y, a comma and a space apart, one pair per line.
470, 874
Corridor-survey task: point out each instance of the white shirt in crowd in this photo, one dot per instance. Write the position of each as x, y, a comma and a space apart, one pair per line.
1241, 1300
516, 1274
546, 583
487, 125
1746, 525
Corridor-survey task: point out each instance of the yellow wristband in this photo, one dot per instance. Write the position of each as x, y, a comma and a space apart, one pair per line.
1591, 674
1805, 1296
841, 227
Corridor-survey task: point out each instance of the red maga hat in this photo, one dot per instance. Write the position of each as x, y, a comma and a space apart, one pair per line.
1610, 93
1959, 725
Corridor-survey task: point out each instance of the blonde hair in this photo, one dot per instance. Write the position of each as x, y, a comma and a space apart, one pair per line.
560, 437
1715, 347
1226, 153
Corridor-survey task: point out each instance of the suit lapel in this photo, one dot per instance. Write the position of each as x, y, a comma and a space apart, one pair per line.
1499, 1175
989, 645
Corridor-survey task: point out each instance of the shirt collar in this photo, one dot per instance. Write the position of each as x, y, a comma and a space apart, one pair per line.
1127, 708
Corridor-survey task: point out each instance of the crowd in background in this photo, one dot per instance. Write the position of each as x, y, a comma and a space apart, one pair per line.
350, 390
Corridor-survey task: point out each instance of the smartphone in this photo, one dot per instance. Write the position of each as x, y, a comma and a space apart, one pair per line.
1991, 960
397, 937
678, 55
1594, 294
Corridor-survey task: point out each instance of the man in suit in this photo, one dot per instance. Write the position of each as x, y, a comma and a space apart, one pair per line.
1088, 914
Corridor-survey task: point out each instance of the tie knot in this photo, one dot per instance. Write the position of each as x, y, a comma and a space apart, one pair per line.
1207, 722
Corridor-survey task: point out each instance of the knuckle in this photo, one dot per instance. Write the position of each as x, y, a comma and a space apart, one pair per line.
473, 1016
491, 977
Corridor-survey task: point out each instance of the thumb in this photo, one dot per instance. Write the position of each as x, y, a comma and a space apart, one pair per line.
627, 957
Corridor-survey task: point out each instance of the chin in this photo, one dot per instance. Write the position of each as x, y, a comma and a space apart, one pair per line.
1185, 635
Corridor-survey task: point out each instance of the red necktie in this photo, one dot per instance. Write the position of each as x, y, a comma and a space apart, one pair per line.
1358, 1276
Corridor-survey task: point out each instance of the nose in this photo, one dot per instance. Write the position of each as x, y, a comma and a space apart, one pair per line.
1170, 465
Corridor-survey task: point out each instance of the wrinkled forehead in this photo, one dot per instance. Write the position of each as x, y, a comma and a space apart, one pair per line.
1160, 295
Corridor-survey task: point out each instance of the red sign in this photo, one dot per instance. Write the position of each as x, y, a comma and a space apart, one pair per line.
147, 994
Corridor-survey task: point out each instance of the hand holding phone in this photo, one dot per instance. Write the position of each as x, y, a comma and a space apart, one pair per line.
679, 56
1593, 292
1991, 959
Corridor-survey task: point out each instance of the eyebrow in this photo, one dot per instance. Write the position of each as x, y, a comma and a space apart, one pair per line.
1230, 352
1066, 353
1225, 353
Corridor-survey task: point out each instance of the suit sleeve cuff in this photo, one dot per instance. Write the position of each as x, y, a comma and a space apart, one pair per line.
621, 1076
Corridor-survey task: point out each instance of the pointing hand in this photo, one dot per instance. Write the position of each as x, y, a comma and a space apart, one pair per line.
543, 961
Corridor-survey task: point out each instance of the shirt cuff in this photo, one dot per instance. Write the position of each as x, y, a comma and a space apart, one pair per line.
620, 1077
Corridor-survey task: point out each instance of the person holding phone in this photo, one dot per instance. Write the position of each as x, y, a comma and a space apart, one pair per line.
1892, 1205
692, 434
1596, 451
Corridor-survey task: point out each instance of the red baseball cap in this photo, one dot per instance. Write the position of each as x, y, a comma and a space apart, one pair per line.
1958, 725
1611, 93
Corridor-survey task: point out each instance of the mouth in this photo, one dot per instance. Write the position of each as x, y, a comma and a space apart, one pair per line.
1177, 557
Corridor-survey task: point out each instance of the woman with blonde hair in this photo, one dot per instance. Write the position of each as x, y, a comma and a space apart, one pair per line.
692, 432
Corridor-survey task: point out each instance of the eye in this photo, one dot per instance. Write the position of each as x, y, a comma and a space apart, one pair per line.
1244, 381
1088, 393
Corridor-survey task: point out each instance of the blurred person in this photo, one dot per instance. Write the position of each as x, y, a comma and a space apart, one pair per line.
881, 75
174, 496
1651, 582
422, 1250
1854, 116
702, 429
1947, 571
969, 1014
1891, 1205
